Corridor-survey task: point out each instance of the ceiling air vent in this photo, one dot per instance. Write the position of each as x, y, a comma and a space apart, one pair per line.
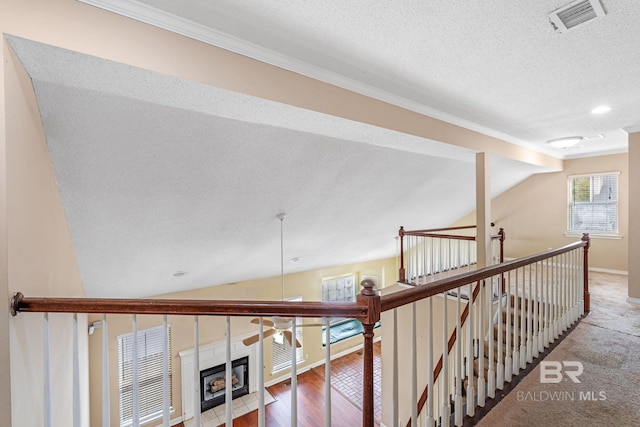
574, 14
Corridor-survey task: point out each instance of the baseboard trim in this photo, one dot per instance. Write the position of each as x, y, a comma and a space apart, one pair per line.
633, 300
608, 270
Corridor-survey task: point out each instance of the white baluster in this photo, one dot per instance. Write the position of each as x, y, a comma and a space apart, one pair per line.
445, 413
261, 375
530, 321
546, 308
228, 390
136, 378
166, 407
76, 373
470, 385
480, 337
500, 366
457, 412
327, 374
508, 371
516, 336
430, 389
395, 414
294, 373
536, 312
196, 372
106, 401
491, 373
414, 367
556, 300
524, 307
48, 422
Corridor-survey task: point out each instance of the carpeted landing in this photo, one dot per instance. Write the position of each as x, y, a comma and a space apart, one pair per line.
607, 343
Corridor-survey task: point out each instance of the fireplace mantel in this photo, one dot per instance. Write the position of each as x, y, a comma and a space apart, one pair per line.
211, 355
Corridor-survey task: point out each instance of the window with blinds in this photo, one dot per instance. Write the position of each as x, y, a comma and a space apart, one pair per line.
593, 203
150, 353
339, 289
281, 355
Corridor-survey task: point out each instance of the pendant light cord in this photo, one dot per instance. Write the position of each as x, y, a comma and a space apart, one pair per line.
281, 218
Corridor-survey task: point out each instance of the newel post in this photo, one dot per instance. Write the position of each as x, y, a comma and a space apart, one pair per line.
369, 297
503, 236
585, 268
401, 271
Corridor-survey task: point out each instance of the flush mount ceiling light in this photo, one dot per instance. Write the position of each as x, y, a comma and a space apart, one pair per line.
601, 109
566, 142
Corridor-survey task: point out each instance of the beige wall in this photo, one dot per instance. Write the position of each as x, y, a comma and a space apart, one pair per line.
5, 374
534, 213
41, 261
634, 215
212, 329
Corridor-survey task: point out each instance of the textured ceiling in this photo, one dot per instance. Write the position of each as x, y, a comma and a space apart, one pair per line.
497, 67
159, 175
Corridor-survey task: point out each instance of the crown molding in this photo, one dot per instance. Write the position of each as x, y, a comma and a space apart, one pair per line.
162, 19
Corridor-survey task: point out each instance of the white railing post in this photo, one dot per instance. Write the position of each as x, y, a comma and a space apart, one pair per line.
228, 382
430, 390
480, 337
106, 401
530, 321
166, 421
261, 412
327, 374
457, 412
394, 411
499, 364
515, 363
444, 413
491, 373
136, 376
508, 371
294, 373
470, 385
196, 371
48, 422
414, 367
76, 373
524, 306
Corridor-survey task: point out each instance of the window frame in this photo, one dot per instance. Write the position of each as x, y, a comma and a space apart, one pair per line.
571, 205
126, 340
352, 298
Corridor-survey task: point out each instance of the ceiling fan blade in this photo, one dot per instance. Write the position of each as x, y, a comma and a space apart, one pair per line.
265, 322
255, 338
288, 335
251, 340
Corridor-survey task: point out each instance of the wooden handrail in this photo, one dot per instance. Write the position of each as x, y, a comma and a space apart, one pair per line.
407, 296
20, 303
433, 230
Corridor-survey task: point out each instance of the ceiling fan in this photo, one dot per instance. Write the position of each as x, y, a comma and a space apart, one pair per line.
278, 325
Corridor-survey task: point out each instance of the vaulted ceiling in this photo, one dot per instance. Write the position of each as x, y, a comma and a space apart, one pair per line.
160, 175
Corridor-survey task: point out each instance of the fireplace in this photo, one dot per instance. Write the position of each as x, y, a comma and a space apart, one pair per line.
213, 383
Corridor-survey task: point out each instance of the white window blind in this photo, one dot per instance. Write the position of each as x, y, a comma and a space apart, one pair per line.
593, 203
282, 349
150, 353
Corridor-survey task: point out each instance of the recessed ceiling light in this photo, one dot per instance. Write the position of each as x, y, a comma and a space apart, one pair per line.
601, 109
566, 142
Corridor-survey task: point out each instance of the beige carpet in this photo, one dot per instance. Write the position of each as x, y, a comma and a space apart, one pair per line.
607, 343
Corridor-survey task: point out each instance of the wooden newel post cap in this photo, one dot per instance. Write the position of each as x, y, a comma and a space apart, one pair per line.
368, 288
15, 303
586, 238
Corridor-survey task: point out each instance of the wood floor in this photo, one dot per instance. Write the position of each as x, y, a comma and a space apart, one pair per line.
346, 396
